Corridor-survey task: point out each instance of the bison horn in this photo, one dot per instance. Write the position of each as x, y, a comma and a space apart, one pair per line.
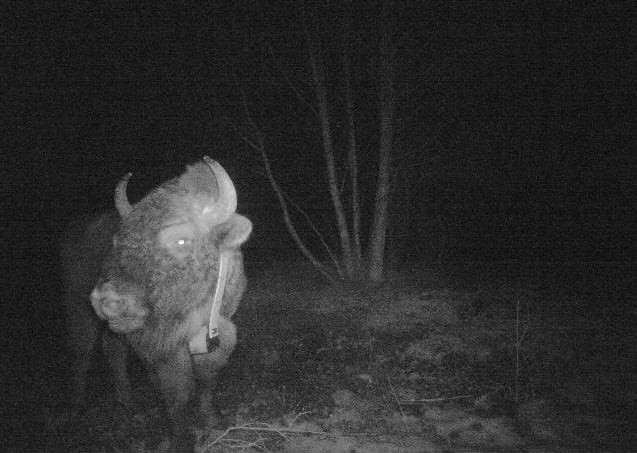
226, 203
122, 204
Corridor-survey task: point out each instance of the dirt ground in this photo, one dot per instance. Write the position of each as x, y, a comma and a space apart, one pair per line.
500, 358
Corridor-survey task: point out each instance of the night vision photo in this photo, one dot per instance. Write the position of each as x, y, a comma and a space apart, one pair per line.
380, 226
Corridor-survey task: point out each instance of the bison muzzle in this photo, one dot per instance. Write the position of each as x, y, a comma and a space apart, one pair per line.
165, 275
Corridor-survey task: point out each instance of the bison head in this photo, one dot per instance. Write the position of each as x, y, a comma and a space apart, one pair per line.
153, 271
165, 258
156, 285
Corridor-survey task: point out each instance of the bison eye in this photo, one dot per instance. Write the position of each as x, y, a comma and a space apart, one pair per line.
183, 242
178, 239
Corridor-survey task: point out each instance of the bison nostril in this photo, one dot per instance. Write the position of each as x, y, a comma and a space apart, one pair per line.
106, 301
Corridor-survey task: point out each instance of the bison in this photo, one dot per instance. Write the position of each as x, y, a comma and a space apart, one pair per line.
165, 275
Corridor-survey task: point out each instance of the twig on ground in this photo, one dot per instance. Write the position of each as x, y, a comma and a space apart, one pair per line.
267, 428
402, 412
261, 428
297, 416
433, 400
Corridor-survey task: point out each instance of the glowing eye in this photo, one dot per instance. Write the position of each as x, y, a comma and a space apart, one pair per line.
183, 242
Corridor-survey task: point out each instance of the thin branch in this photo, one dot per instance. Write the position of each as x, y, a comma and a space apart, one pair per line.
259, 146
296, 92
318, 77
318, 234
432, 400
301, 211
400, 408
283, 432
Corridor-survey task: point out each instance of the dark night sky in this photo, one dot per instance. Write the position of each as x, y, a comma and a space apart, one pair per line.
519, 119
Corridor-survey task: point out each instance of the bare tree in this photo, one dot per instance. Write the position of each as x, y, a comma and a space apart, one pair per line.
318, 77
253, 137
387, 109
352, 160
356, 260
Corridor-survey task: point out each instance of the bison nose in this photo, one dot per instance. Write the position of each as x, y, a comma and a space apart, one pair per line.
103, 298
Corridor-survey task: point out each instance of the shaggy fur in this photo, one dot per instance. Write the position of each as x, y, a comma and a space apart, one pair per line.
153, 299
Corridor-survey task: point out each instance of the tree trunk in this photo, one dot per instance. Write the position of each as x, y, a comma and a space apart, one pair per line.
316, 64
353, 163
387, 106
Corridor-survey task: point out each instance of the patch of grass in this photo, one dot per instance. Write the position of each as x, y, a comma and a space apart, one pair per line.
452, 359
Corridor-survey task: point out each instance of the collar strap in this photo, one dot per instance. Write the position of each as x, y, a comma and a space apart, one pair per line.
207, 340
215, 310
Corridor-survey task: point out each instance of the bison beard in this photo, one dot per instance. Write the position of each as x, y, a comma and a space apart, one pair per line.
154, 272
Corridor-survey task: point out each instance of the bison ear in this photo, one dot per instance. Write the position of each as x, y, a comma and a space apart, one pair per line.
234, 232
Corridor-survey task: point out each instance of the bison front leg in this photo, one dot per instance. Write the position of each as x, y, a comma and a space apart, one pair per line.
207, 365
176, 382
